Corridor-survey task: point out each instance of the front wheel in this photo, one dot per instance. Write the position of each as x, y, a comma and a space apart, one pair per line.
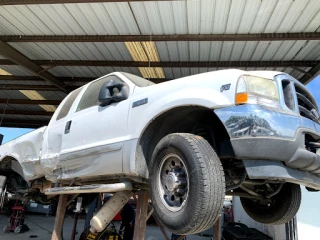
279, 209
187, 183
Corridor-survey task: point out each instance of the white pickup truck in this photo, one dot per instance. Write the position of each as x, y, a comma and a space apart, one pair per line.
190, 141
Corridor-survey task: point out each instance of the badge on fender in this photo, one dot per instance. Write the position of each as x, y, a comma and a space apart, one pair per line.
140, 102
225, 87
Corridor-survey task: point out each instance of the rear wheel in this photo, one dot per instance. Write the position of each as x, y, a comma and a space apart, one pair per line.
280, 209
186, 183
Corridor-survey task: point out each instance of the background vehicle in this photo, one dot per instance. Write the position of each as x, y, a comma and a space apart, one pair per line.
251, 134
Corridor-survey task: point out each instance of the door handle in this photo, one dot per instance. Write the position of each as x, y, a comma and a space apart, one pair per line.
67, 128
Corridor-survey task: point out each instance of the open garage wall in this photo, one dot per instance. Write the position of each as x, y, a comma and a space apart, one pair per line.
276, 232
308, 217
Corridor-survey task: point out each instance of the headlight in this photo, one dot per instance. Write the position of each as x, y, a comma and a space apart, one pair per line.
257, 90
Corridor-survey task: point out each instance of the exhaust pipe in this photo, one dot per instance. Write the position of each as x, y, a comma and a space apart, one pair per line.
109, 210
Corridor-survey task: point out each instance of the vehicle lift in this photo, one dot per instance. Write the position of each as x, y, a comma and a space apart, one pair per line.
109, 210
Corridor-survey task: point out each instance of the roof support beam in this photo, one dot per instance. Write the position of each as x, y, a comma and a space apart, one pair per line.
81, 80
32, 102
34, 87
19, 59
167, 38
27, 113
39, 79
21, 78
28, 87
312, 73
226, 64
23, 123
302, 71
24, 2
216, 64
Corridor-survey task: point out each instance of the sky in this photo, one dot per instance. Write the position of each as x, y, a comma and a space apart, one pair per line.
11, 133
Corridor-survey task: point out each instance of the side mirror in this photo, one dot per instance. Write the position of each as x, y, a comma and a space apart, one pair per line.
112, 92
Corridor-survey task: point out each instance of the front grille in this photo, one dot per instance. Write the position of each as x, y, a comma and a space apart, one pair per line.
307, 105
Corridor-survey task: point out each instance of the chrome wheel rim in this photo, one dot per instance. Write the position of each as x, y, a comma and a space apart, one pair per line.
173, 182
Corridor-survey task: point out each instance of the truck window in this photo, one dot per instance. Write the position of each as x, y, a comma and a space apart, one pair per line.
90, 97
67, 105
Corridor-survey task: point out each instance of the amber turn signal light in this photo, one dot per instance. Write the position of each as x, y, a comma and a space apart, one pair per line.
241, 98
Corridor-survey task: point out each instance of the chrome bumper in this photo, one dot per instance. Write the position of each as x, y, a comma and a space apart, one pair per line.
257, 132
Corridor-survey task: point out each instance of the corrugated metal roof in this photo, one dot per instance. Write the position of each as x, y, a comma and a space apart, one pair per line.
168, 51
26, 107
16, 70
12, 94
95, 18
74, 51
168, 17
150, 18
28, 82
53, 95
94, 72
238, 51
172, 17
173, 73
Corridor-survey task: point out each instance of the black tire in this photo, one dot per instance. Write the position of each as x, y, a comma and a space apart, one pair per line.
199, 184
283, 208
3, 180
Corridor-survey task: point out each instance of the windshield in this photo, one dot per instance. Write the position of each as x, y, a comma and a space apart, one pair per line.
139, 81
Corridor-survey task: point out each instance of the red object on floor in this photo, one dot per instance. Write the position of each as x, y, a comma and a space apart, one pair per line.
16, 219
117, 217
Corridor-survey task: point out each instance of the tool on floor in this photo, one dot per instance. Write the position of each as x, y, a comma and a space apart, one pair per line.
16, 220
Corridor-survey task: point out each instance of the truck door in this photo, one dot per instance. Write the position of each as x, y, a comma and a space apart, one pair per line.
53, 135
94, 134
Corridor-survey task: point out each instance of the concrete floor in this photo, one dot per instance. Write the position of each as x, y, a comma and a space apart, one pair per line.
42, 226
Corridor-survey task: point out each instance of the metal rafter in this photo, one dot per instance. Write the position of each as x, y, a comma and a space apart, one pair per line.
35, 87
223, 64
39, 79
312, 73
24, 2
23, 123
31, 87
27, 113
81, 80
19, 59
28, 101
167, 38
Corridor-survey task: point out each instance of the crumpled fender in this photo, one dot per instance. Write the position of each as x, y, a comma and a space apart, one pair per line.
26, 150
